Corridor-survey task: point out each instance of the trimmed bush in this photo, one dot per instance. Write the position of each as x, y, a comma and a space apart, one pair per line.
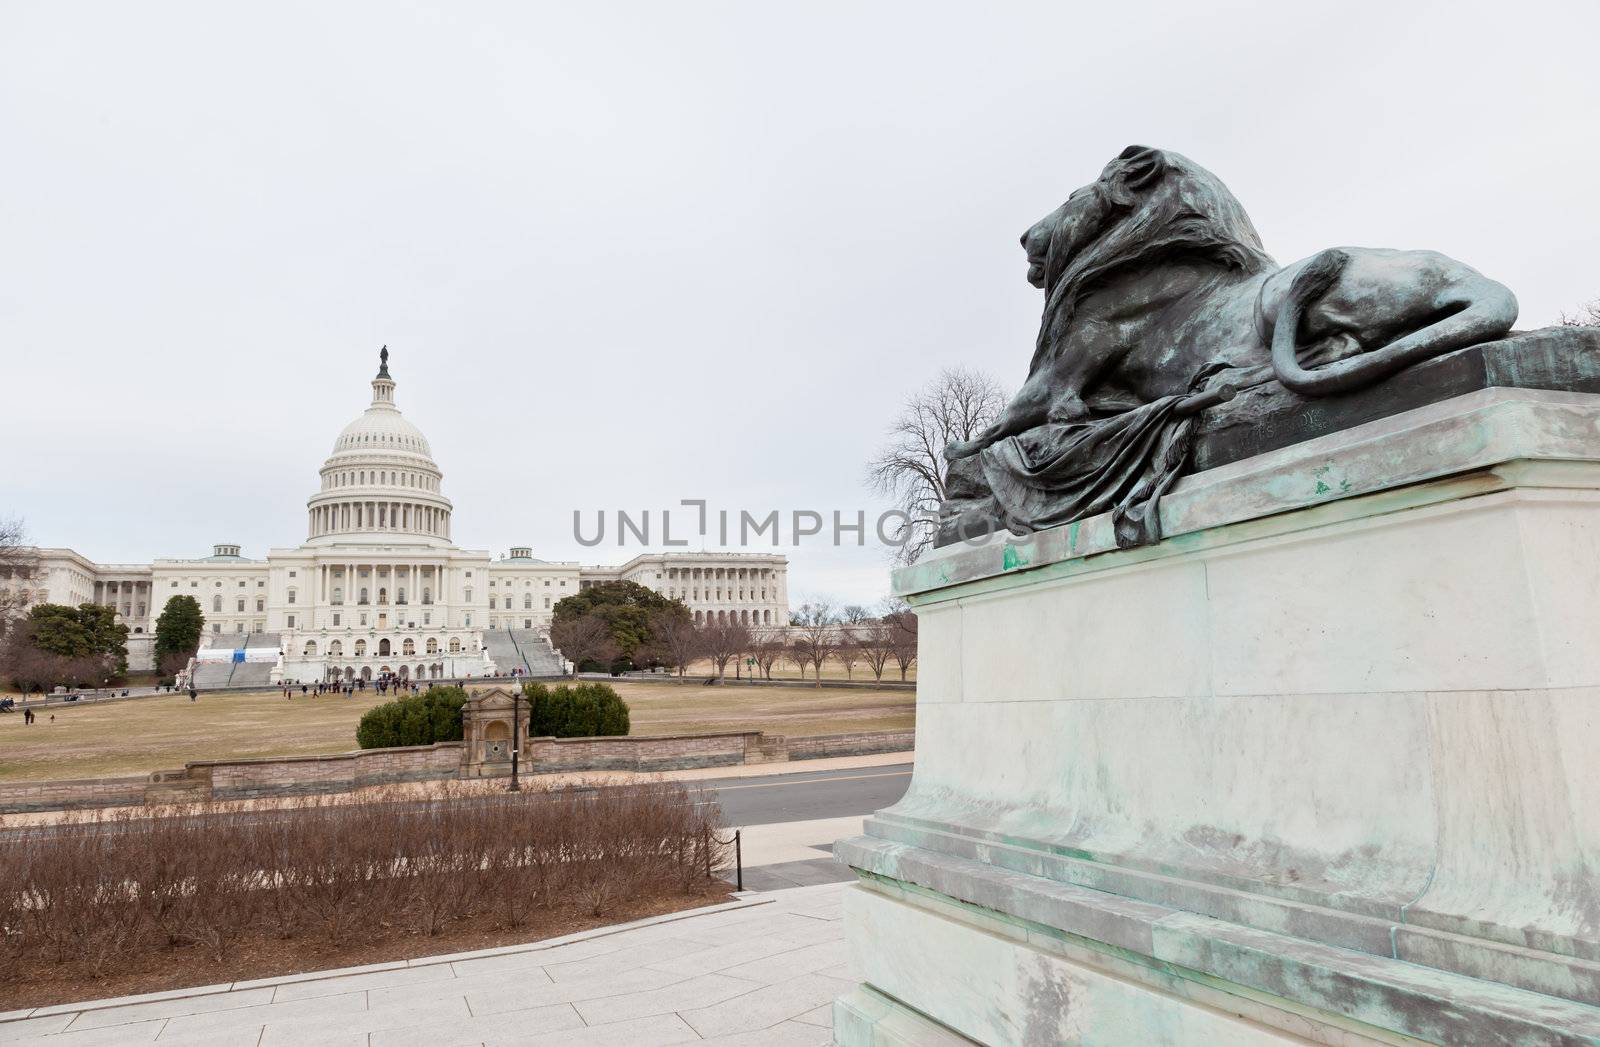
417, 719
583, 710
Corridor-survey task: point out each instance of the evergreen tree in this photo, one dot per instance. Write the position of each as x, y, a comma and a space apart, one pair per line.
177, 633
627, 607
85, 631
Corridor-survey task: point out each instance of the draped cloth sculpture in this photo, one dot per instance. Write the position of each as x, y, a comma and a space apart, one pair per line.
1160, 302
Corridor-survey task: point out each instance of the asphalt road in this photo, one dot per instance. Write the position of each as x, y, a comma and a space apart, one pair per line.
767, 800
810, 795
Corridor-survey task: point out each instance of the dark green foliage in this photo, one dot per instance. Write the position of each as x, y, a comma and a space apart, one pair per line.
584, 710
85, 631
627, 607
417, 719
178, 629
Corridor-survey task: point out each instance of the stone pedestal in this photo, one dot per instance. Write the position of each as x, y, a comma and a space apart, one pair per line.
1319, 767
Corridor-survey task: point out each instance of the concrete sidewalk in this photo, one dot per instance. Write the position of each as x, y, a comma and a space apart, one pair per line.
759, 971
795, 854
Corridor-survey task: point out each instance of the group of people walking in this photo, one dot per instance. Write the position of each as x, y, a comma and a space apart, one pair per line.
383, 685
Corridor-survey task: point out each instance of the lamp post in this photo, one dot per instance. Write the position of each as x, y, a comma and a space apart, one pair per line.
516, 737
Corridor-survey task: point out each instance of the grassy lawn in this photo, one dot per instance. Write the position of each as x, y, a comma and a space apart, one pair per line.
148, 734
690, 708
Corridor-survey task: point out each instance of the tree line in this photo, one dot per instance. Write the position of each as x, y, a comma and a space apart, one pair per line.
619, 626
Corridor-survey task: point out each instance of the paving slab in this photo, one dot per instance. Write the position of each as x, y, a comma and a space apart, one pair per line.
168, 1007
713, 959
785, 1034
593, 987
340, 1029
641, 1032
408, 976
702, 991
734, 975
217, 1021
624, 959
26, 1028
508, 1027
767, 1006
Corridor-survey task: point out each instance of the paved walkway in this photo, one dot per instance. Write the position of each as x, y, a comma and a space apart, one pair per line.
761, 971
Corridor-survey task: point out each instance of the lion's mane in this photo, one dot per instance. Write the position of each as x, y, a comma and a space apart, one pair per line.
1187, 211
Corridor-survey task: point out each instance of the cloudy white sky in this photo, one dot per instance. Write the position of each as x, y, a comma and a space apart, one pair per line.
625, 254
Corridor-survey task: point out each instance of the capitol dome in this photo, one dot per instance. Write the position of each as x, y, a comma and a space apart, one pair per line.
380, 482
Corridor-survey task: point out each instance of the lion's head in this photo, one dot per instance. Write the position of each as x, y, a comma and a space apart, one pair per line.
1145, 203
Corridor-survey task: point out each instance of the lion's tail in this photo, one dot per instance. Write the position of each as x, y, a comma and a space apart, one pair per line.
1309, 284
1480, 309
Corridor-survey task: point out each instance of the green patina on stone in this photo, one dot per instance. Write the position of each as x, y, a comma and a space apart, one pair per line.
1322, 486
1013, 558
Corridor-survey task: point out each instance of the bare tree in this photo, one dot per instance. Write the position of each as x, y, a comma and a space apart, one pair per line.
798, 656
910, 468
901, 621
19, 563
875, 642
847, 652
585, 639
767, 648
723, 641
814, 635
675, 640
1587, 315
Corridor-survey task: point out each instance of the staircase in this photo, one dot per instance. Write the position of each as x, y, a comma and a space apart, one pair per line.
537, 654
209, 676
214, 675
522, 649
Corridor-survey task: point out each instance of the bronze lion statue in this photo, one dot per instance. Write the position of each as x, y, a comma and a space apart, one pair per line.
1160, 300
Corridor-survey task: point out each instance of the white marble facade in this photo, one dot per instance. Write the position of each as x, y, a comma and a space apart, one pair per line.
379, 583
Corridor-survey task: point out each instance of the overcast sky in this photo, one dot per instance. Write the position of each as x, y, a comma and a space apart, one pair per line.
625, 254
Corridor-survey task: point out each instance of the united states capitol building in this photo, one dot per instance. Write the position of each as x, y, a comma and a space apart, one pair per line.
379, 585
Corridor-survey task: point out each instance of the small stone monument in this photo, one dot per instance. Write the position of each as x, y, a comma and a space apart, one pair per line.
486, 730
1259, 681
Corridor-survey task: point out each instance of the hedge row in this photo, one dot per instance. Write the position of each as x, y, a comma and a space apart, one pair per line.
584, 710
417, 719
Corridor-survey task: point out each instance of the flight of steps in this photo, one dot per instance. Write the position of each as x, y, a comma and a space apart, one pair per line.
521, 649
212, 675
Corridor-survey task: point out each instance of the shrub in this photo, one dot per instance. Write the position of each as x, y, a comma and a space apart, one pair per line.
584, 710
106, 888
417, 719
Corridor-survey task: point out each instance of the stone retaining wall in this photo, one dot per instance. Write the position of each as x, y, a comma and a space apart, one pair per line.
860, 743
639, 754
342, 772
72, 793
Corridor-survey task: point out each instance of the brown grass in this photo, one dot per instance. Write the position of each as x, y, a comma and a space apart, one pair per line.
668, 707
141, 735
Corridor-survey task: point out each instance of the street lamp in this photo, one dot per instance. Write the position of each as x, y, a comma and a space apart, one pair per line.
516, 737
